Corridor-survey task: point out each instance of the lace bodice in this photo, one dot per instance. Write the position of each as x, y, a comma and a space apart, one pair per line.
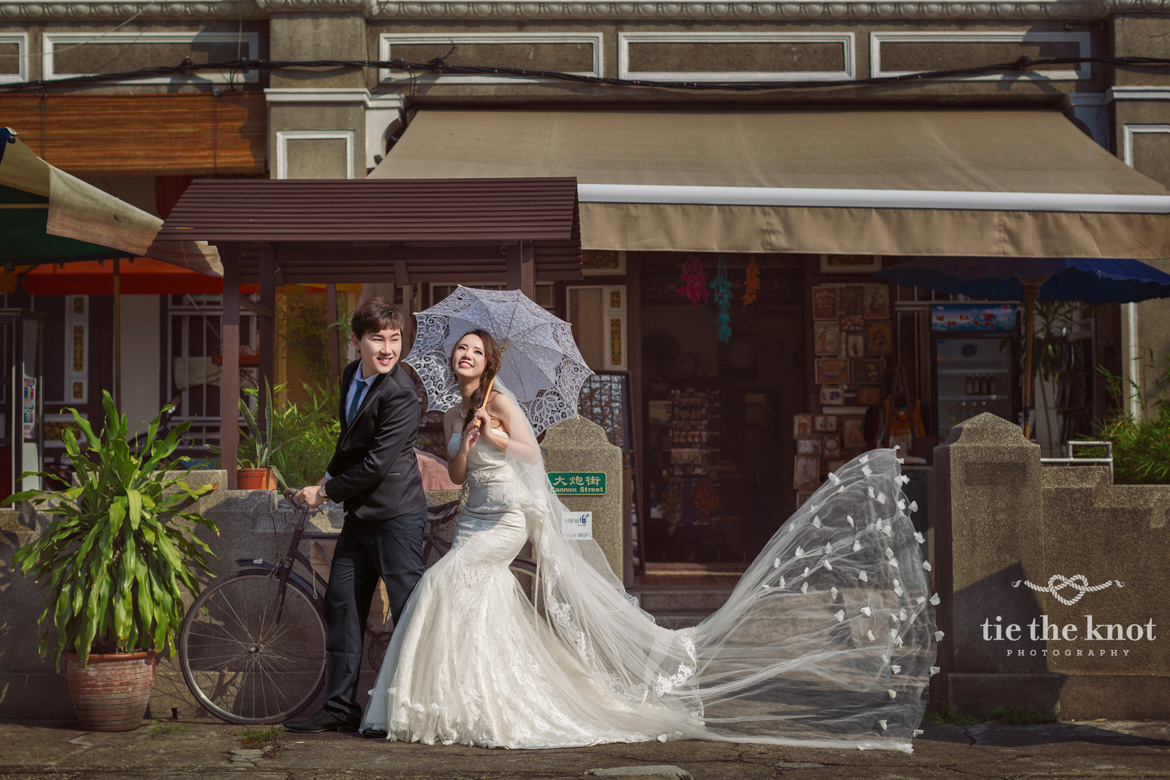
485, 463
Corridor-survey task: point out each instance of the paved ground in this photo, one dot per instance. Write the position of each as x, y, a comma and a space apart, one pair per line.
205, 751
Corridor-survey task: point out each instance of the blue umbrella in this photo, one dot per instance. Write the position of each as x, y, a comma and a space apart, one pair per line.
1031, 279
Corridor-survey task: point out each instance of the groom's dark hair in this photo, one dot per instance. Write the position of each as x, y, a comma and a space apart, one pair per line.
375, 314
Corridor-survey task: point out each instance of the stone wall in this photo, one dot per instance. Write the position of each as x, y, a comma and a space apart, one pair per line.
1052, 580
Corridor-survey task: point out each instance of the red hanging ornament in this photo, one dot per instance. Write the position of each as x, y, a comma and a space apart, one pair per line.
694, 282
752, 283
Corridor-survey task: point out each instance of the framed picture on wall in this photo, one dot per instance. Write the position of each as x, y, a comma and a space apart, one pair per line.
802, 425
855, 345
851, 324
867, 395
832, 371
851, 300
879, 337
833, 396
808, 446
877, 302
826, 337
852, 435
806, 472
869, 370
825, 423
824, 302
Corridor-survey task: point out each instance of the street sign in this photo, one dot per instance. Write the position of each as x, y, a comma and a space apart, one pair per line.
578, 483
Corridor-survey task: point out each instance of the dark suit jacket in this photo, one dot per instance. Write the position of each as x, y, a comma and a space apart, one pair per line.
374, 470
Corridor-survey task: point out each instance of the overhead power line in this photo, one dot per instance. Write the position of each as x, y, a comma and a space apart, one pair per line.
439, 65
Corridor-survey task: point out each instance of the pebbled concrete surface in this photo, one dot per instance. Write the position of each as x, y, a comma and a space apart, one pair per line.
199, 750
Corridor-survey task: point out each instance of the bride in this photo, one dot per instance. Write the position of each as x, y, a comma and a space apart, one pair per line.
828, 639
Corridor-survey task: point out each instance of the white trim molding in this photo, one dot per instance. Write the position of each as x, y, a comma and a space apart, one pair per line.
875, 199
284, 136
387, 42
1119, 94
382, 111
1127, 138
22, 55
249, 42
1083, 40
845, 40
673, 10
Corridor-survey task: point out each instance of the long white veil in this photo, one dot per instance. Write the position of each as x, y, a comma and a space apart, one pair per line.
828, 639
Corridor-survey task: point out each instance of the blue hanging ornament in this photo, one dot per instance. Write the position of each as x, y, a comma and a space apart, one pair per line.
722, 288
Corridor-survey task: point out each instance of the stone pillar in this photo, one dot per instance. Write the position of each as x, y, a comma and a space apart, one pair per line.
986, 507
1141, 118
323, 123
579, 446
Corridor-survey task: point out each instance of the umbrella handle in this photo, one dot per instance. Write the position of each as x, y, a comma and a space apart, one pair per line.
488, 394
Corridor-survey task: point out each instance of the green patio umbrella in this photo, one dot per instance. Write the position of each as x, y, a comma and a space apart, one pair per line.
49, 216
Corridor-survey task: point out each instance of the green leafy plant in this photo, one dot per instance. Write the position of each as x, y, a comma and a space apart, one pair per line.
312, 428
294, 439
119, 549
258, 736
1141, 446
1018, 716
303, 320
946, 715
259, 448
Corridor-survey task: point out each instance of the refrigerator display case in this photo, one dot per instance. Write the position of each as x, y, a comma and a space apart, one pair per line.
973, 351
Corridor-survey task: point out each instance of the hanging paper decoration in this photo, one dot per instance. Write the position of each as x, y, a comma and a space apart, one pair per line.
722, 287
752, 283
694, 282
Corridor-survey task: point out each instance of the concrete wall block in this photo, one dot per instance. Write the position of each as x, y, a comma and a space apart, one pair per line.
1051, 581
579, 445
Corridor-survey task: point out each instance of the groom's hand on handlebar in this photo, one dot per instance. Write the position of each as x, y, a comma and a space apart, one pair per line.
312, 496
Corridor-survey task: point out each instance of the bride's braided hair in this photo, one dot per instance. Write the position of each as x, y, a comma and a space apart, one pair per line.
492, 355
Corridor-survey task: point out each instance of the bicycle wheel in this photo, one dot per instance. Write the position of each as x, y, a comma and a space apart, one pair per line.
239, 665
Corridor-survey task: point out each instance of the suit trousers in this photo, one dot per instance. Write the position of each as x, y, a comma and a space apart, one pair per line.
391, 549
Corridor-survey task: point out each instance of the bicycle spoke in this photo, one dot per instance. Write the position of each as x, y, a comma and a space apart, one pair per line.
238, 671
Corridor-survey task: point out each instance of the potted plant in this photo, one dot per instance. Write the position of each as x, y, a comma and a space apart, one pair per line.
292, 442
114, 559
260, 447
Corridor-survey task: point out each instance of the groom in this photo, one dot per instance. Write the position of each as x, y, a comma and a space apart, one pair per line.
375, 473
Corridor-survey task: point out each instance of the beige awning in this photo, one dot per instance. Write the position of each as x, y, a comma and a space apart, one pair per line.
80, 211
1012, 183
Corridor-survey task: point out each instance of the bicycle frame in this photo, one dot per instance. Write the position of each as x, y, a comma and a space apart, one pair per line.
282, 568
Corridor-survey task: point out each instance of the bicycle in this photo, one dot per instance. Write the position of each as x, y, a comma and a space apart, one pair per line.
252, 647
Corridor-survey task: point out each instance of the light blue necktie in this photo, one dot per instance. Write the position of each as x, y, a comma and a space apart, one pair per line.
353, 405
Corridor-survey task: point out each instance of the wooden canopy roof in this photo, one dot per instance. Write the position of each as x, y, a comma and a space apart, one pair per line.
402, 231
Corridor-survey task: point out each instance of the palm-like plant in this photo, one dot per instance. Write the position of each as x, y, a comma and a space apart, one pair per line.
119, 549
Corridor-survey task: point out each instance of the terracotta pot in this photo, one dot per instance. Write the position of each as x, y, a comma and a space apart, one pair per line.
255, 479
112, 691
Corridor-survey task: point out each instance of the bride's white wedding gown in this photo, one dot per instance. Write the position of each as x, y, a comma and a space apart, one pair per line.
827, 640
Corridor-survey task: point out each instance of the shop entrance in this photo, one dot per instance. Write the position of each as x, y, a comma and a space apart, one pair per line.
718, 442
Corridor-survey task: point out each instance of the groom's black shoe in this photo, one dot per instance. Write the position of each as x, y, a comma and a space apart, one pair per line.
372, 733
322, 721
